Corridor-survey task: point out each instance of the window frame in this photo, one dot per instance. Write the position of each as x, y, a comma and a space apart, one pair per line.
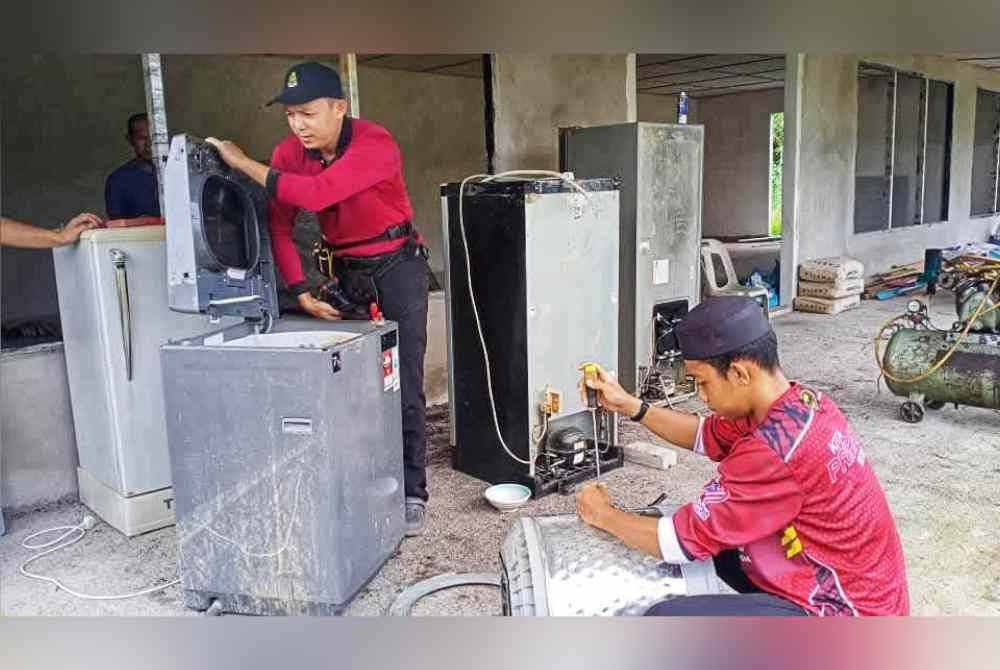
890, 152
996, 153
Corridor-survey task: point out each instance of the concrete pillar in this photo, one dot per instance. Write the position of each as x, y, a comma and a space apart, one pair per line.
39, 444
827, 132
349, 79
789, 178
156, 110
631, 89
534, 95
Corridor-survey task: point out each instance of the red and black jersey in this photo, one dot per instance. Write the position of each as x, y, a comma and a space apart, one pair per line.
357, 196
798, 497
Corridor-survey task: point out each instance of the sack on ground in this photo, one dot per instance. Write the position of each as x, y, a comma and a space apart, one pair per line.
825, 305
848, 287
833, 269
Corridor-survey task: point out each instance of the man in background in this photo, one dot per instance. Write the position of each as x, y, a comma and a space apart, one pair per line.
131, 190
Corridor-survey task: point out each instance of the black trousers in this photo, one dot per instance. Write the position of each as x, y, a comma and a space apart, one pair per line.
399, 285
747, 601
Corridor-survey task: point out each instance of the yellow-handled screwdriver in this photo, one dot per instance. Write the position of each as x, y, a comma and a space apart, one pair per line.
590, 375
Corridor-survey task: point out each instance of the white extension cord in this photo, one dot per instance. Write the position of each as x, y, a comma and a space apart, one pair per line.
59, 543
468, 276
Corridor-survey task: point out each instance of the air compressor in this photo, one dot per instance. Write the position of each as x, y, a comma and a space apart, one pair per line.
932, 367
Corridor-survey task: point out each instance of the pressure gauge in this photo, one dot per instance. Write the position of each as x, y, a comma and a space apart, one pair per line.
914, 307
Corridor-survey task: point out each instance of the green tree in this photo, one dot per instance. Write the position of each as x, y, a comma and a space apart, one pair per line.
777, 151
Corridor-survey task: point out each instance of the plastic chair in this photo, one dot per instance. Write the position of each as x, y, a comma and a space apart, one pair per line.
713, 251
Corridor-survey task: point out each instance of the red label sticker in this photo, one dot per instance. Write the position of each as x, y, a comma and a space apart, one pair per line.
390, 369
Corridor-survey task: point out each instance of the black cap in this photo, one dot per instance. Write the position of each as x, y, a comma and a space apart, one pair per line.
308, 81
721, 325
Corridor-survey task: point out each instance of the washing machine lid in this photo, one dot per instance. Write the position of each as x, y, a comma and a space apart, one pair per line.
219, 258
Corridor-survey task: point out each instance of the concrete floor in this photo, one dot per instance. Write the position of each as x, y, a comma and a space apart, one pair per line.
942, 478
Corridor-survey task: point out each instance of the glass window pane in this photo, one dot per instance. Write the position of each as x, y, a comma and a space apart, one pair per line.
984, 153
937, 165
907, 150
871, 169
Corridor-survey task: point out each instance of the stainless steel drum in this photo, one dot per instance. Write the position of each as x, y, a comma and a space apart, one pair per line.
559, 566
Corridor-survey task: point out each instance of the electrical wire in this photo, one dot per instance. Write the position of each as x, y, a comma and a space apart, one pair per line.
545, 428
468, 276
59, 543
944, 359
89, 522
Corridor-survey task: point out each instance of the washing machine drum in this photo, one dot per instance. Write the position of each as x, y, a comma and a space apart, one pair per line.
559, 566
229, 226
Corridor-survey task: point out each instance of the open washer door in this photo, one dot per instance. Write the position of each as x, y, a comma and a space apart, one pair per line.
219, 258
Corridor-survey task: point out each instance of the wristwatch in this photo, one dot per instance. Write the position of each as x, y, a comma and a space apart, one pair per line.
643, 408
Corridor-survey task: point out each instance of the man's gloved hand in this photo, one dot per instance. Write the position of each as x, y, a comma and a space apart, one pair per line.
331, 294
317, 308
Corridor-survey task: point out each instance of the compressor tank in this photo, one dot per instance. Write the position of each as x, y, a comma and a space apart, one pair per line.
971, 376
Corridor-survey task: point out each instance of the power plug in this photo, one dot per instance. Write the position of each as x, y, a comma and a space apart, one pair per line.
88, 522
552, 404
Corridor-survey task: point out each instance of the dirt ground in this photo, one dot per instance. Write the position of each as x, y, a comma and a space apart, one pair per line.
942, 478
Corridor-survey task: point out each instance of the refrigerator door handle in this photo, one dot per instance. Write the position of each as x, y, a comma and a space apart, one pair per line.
124, 311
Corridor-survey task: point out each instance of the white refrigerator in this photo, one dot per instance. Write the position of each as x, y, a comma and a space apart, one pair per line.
115, 315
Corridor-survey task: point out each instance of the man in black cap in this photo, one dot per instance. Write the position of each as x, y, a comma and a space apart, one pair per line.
350, 173
796, 520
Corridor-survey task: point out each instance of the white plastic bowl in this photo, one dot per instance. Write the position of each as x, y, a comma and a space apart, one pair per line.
507, 497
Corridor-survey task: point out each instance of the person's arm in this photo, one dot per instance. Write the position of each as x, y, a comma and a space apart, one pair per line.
754, 496
710, 436
593, 504
281, 223
675, 427
18, 234
236, 158
367, 162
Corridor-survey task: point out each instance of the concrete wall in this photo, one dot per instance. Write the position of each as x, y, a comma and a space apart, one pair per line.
63, 132
439, 122
737, 155
825, 188
535, 95
737, 161
436, 358
224, 96
69, 114
37, 443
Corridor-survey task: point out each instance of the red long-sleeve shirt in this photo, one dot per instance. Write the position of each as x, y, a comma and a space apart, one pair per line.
357, 196
799, 499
